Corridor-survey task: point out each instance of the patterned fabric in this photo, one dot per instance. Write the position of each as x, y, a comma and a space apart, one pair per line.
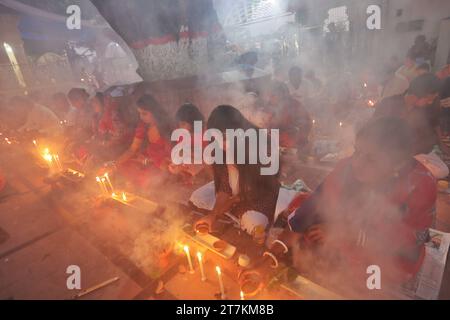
170, 39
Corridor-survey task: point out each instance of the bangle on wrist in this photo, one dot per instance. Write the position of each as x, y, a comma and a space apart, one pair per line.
286, 249
274, 259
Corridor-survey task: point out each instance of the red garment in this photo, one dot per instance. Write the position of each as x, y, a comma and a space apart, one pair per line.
112, 125
2, 181
397, 221
156, 151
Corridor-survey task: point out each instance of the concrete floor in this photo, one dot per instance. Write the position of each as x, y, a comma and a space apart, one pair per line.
40, 240
41, 235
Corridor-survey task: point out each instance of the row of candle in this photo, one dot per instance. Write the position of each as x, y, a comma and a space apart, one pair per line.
107, 188
52, 159
202, 272
105, 184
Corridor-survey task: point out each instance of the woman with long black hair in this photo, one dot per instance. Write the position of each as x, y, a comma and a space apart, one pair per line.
150, 150
240, 189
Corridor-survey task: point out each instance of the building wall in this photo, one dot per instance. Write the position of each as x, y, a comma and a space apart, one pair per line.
431, 11
10, 34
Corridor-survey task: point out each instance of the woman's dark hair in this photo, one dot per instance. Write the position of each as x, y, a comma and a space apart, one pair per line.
148, 103
424, 85
189, 113
100, 97
228, 117
77, 94
254, 188
392, 135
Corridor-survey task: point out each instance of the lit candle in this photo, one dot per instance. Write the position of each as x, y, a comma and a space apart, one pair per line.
314, 121
340, 124
188, 255
200, 263
114, 195
109, 181
124, 196
102, 186
58, 163
222, 288
242, 295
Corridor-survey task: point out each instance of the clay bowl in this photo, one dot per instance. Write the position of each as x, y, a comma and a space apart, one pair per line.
220, 245
202, 229
251, 284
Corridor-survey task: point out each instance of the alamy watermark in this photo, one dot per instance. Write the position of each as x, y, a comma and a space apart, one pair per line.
235, 145
73, 21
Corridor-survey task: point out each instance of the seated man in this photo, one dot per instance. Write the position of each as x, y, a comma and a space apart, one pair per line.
419, 107
375, 208
290, 117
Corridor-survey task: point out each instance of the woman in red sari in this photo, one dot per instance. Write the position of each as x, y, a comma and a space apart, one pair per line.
146, 160
110, 134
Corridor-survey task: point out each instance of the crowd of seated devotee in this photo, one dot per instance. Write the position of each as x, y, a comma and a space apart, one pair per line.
375, 207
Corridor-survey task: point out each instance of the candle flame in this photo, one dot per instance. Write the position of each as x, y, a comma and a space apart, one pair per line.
219, 272
186, 249
98, 179
340, 124
199, 256
242, 295
48, 157
113, 195
124, 196
314, 121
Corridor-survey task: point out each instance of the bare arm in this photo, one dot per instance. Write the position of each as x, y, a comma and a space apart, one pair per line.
131, 152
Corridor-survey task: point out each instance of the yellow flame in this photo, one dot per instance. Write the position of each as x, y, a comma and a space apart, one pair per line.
48, 157
219, 272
